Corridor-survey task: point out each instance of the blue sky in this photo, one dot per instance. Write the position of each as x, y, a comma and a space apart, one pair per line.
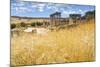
37, 9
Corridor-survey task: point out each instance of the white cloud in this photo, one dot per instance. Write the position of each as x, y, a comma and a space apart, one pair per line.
39, 7
71, 12
56, 8
21, 3
34, 6
18, 4
16, 8
65, 12
13, 4
21, 9
49, 7
80, 10
25, 9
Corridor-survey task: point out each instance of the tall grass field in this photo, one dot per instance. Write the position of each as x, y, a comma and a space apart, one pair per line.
73, 44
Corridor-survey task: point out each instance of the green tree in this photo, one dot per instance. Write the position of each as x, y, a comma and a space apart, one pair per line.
90, 14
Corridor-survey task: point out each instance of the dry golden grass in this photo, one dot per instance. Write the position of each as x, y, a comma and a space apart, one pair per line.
67, 45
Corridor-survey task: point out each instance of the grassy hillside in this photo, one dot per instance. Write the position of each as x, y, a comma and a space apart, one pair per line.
66, 45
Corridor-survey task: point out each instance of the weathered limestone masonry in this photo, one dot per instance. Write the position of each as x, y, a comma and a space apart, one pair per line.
55, 19
74, 18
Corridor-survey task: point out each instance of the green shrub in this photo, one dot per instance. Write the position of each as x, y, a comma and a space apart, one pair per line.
22, 24
39, 24
36, 24
33, 24
13, 26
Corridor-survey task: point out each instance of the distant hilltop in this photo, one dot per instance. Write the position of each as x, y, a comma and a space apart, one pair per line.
55, 19
29, 17
19, 19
